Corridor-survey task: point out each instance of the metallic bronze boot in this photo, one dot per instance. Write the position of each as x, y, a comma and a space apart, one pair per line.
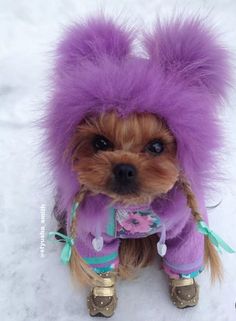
184, 292
102, 300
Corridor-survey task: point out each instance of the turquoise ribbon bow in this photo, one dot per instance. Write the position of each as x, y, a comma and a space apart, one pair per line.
66, 251
213, 237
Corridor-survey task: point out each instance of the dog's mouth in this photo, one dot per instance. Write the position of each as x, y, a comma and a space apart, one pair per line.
124, 189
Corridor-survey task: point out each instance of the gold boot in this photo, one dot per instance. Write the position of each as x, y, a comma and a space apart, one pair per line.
184, 292
102, 300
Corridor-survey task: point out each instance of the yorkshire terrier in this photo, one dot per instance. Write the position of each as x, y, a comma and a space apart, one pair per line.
131, 142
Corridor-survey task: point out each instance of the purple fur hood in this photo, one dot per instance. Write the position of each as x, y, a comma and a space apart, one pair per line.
181, 75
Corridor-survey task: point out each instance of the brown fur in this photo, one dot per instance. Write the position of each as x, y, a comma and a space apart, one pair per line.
80, 271
212, 261
156, 176
211, 256
135, 254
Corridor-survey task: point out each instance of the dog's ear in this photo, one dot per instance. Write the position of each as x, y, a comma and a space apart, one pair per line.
92, 41
189, 50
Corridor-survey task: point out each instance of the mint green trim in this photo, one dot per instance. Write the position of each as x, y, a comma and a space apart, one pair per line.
101, 259
213, 237
103, 269
148, 212
111, 222
192, 274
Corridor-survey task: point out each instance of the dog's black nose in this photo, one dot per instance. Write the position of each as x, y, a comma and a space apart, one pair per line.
124, 173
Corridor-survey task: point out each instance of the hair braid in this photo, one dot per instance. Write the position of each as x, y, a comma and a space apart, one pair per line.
191, 199
211, 256
80, 270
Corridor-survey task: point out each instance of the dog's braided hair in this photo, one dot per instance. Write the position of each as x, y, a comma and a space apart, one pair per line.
80, 270
211, 256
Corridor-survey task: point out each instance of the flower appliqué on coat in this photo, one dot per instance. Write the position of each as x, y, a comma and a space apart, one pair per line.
135, 224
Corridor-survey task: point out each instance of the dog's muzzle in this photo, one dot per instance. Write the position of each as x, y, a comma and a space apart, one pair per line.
124, 179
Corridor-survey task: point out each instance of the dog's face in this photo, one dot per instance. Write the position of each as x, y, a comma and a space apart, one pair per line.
132, 159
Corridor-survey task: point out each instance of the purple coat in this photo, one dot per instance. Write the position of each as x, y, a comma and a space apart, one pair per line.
182, 77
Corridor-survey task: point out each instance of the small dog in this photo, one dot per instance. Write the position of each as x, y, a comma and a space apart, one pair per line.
131, 142
118, 157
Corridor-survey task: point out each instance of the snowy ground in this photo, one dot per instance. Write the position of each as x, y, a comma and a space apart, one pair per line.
35, 288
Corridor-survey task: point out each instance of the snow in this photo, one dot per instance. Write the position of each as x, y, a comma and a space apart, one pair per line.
36, 288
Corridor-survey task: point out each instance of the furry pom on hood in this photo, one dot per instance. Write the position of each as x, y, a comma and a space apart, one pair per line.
182, 77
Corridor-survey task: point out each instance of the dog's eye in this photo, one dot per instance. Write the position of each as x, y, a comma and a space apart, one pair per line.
156, 147
100, 142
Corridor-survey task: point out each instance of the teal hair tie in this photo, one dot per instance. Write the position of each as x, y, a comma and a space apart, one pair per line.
74, 208
66, 251
213, 237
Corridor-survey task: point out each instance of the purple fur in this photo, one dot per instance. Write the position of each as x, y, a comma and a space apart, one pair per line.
183, 81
